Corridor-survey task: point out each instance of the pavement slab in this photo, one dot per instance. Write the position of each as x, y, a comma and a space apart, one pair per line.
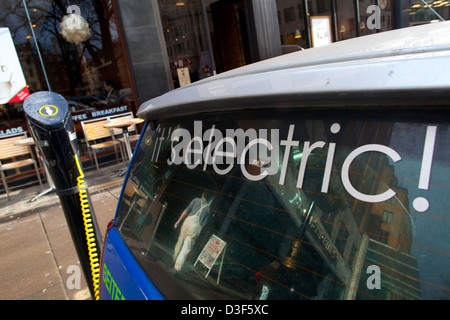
37, 254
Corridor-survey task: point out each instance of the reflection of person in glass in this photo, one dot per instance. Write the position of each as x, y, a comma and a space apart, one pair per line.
112, 94
196, 214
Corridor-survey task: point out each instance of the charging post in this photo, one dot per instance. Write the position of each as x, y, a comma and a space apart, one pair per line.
53, 130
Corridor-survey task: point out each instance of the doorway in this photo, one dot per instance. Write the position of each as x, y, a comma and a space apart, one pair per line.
232, 45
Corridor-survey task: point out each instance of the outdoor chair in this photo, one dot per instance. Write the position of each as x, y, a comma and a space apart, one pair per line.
98, 137
14, 156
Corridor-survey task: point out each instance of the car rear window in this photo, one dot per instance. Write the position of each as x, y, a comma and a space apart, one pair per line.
292, 204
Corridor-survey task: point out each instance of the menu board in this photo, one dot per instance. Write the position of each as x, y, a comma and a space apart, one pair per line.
13, 87
211, 252
321, 31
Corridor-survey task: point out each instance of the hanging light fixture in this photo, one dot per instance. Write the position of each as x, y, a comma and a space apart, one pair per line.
74, 28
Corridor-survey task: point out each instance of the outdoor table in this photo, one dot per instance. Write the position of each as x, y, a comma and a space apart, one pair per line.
124, 124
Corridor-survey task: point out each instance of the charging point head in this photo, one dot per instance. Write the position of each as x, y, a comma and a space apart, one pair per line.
46, 109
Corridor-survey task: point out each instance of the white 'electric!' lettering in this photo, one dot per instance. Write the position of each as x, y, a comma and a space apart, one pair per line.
253, 148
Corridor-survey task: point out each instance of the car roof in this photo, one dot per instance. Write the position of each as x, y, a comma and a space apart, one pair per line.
413, 60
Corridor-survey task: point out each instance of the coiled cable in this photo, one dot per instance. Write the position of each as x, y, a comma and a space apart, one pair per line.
89, 230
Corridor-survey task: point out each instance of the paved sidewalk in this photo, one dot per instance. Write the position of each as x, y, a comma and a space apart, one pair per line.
36, 249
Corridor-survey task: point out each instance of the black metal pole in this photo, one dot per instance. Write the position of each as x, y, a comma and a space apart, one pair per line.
334, 29
357, 18
52, 127
398, 14
307, 24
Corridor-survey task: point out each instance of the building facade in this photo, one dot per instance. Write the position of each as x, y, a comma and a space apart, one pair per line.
148, 47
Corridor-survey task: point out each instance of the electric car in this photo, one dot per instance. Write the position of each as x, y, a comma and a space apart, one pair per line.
321, 174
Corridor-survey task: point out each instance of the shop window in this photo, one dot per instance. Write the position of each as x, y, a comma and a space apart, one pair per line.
323, 6
185, 33
319, 7
289, 14
76, 71
209, 37
345, 19
292, 26
418, 13
301, 12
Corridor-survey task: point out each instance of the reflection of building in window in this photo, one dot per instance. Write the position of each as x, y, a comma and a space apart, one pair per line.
387, 216
326, 240
373, 175
400, 274
387, 224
